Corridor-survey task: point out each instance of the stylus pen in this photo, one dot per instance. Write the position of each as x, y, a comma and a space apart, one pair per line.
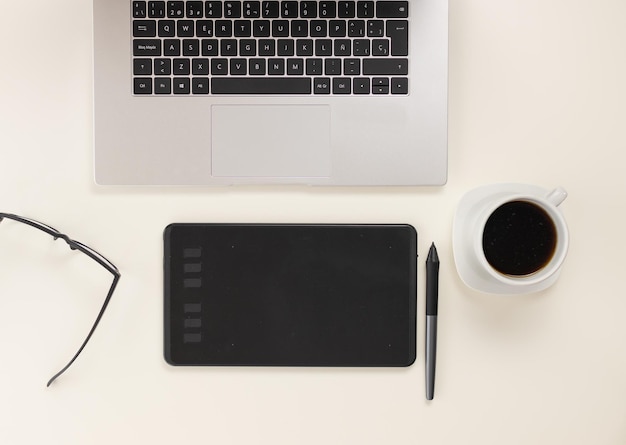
432, 297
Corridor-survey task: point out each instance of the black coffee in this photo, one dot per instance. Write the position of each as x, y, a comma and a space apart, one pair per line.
519, 238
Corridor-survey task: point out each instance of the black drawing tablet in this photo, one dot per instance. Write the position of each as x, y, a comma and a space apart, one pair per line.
290, 295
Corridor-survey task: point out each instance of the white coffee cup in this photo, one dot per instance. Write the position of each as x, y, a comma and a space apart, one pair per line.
473, 213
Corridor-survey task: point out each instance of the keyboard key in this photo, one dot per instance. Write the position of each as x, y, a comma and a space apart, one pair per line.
346, 9
385, 66
321, 85
223, 28
191, 47
146, 47
295, 67
243, 28
385, 9
361, 47
139, 10
380, 85
342, 85
162, 67
337, 28
332, 67
323, 47
280, 28
261, 85
375, 28
365, 9
399, 85
380, 89
182, 85
327, 9
219, 67
398, 31
200, 67
270, 10
319, 28
142, 85
228, 47
356, 28
156, 10
247, 47
213, 9
261, 28
144, 28
209, 47
276, 67
142, 67
380, 47
195, 9
257, 67
185, 28
204, 28
238, 67
232, 9
267, 47
308, 9
200, 85
343, 47
288, 9
181, 67
175, 10
171, 47
304, 47
313, 67
252, 9
299, 28
361, 85
352, 67
380, 81
163, 86
167, 28
285, 47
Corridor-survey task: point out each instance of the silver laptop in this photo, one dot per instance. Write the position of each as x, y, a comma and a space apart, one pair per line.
270, 92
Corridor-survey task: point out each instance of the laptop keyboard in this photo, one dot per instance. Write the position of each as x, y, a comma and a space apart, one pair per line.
270, 47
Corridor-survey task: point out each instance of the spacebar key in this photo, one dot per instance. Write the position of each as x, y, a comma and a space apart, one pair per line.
261, 85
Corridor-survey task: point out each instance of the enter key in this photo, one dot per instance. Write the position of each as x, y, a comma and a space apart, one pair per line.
398, 32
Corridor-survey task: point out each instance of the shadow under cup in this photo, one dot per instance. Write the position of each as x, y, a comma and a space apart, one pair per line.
520, 240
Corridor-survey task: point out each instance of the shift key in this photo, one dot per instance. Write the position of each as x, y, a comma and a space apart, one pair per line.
389, 66
146, 47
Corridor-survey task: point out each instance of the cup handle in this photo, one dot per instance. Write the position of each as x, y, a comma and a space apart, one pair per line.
557, 196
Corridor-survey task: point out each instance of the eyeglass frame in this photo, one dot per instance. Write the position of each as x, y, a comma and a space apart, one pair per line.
91, 253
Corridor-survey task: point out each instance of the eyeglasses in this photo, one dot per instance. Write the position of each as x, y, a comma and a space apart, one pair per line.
94, 255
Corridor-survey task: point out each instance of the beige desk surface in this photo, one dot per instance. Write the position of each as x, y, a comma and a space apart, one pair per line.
537, 95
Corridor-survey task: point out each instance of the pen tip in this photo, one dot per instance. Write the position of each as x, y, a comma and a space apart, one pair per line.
432, 253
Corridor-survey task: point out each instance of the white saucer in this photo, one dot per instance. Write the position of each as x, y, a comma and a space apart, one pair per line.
462, 241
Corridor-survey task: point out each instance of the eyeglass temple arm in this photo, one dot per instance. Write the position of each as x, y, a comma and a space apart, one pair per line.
93, 328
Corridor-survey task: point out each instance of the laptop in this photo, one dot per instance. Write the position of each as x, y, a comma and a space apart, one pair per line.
270, 92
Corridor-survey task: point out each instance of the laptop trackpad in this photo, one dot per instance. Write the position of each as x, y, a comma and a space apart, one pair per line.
270, 140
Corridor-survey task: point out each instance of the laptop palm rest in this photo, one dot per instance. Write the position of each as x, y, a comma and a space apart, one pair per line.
270, 140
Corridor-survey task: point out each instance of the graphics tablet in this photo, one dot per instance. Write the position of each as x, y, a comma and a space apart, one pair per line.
290, 295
